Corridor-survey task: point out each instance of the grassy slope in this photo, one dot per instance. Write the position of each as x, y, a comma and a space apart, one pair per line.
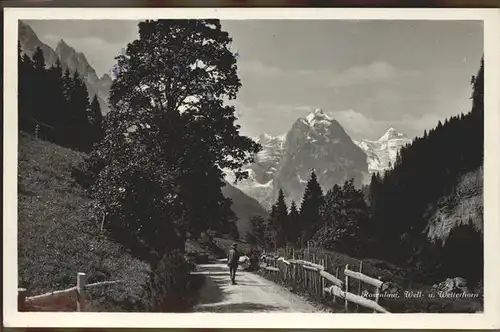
56, 238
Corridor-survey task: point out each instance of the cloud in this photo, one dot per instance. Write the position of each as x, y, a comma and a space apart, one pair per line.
376, 72
262, 70
257, 68
359, 126
277, 119
356, 124
424, 122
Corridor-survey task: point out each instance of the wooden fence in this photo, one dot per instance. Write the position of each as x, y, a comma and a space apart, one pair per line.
30, 303
315, 278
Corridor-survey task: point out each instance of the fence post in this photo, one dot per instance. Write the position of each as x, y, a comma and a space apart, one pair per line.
346, 289
21, 299
304, 276
318, 278
323, 262
376, 295
336, 276
285, 271
313, 275
80, 291
359, 283
308, 281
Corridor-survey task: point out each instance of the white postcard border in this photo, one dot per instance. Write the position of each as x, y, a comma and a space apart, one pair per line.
488, 319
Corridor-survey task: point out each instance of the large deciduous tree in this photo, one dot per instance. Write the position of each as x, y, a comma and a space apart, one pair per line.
168, 135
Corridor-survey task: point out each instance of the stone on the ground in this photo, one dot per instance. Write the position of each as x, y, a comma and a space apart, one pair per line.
456, 284
244, 262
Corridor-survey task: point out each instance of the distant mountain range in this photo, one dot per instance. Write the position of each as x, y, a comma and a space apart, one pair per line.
261, 173
70, 59
316, 142
244, 206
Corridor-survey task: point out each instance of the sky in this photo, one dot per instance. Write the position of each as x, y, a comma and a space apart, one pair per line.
369, 75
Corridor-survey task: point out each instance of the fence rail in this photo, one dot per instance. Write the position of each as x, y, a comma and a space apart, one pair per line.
315, 278
24, 301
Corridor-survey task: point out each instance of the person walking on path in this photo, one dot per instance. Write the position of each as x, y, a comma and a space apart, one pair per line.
233, 258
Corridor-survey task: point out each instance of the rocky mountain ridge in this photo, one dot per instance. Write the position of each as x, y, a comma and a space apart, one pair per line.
70, 59
316, 141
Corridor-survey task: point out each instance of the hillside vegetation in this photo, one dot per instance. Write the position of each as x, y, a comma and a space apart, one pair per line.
56, 239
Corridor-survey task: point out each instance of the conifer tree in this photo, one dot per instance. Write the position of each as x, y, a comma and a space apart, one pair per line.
280, 220
312, 200
68, 83
39, 85
79, 126
293, 227
96, 121
55, 98
463, 253
271, 228
477, 118
25, 91
38, 60
345, 216
423, 179
258, 232
53, 105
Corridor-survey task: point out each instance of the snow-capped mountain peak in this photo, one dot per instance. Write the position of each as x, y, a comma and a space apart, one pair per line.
316, 141
265, 137
381, 154
259, 183
318, 116
391, 133
270, 141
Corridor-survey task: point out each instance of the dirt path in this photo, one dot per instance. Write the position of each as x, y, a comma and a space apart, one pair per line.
252, 293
